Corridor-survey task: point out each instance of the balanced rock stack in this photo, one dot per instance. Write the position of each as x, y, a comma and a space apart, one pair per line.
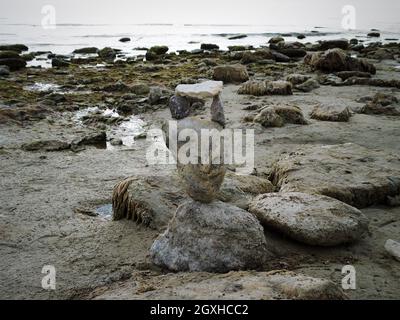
205, 234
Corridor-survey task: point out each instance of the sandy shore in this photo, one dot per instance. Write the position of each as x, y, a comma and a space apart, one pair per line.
43, 194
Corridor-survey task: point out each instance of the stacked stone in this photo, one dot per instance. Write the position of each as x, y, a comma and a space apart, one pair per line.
205, 234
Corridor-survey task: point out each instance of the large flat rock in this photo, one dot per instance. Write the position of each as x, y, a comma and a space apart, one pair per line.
203, 90
311, 219
236, 285
348, 172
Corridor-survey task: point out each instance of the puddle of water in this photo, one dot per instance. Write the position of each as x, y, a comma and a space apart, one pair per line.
104, 211
126, 131
43, 87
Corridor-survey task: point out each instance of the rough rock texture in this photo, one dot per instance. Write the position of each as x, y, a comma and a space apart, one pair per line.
296, 78
337, 43
231, 73
348, 172
203, 90
277, 116
152, 200
326, 112
201, 178
337, 60
13, 63
217, 111
235, 285
215, 237
261, 88
312, 219
393, 247
46, 145
257, 56
382, 103
308, 85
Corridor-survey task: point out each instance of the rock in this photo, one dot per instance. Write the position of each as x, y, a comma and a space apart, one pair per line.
203, 90
393, 83
4, 70
308, 85
140, 89
28, 56
59, 63
325, 112
46, 145
296, 78
179, 107
14, 47
374, 34
382, 104
13, 64
278, 116
239, 48
209, 46
311, 219
118, 86
97, 139
9, 55
276, 39
331, 44
354, 41
393, 247
215, 237
86, 50
344, 75
217, 111
348, 172
231, 73
260, 88
280, 57
235, 285
125, 39
238, 36
257, 56
107, 54
156, 52
336, 60
301, 36
330, 79
202, 178
380, 54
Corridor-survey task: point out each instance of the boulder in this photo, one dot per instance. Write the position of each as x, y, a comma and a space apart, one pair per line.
256, 56
280, 57
308, 85
209, 46
325, 112
276, 39
337, 43
348, 172
108, 54
231, 73
125, 39
9, 55
235, 285
13, 63
382, 103
278, 116
97, 139
156, 52
14, 47
215, 237
260, 88
311, 219
334, 60
344, 75
296, 78
59, 63
374, 34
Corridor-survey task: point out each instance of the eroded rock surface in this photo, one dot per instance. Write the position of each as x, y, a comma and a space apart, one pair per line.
311, 219
348, 172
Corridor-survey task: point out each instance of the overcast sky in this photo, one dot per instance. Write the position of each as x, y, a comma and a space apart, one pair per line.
263, 12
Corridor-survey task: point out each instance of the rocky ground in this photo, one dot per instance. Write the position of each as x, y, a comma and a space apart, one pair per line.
66, 141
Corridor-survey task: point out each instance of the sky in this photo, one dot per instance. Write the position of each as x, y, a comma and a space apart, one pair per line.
369, 13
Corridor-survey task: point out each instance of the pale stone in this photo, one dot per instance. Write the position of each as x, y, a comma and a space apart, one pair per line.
393, 247
312, 219
203, 90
